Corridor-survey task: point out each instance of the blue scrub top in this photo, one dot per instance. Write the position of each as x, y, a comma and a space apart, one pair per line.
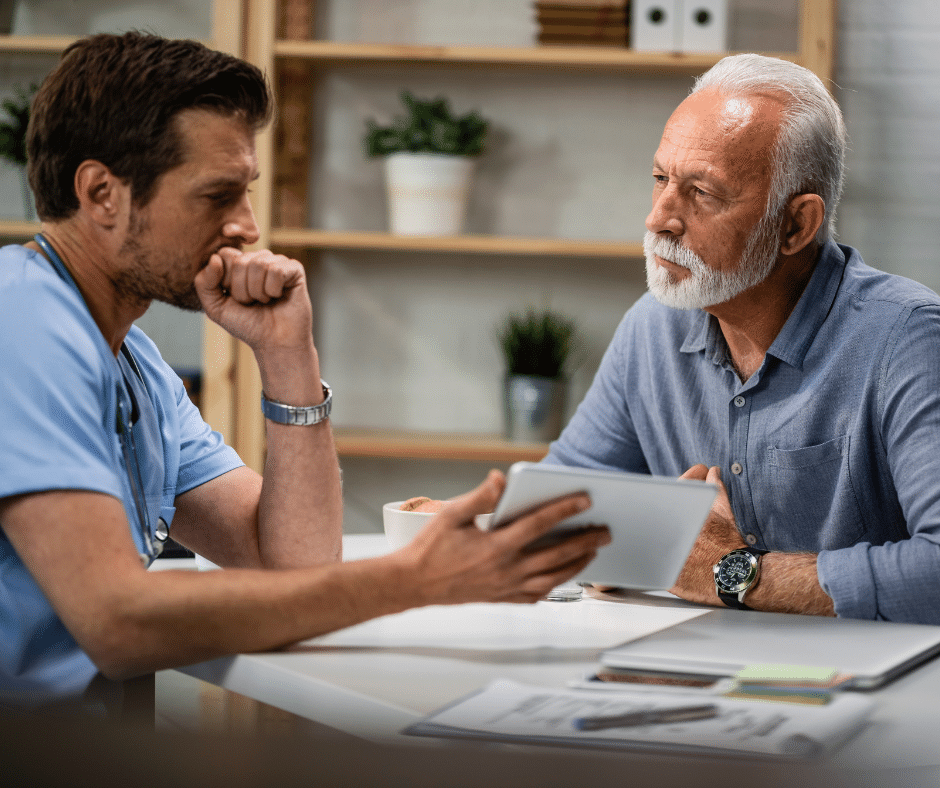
62, 388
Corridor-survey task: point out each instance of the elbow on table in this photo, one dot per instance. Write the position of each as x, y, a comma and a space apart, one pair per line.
122, 644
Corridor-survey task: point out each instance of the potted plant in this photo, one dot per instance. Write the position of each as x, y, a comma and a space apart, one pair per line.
429, 156
13, 139
537, 348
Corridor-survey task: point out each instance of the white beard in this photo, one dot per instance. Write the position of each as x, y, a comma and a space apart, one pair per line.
708, 286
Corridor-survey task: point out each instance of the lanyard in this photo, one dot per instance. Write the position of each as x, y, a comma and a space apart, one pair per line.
153, 541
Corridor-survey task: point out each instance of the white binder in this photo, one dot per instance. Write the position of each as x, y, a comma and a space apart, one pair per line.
703, 26
654, 25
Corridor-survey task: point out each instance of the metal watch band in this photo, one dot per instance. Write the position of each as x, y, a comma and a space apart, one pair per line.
298, 416
735, 599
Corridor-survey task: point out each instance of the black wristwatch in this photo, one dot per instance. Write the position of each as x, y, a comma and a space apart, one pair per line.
736, 574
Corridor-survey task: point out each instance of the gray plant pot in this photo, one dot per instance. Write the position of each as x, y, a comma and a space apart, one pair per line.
533, 408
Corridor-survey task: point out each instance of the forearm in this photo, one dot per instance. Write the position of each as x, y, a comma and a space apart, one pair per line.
172, 618
261, 298
129, 620
788, 584
300, 511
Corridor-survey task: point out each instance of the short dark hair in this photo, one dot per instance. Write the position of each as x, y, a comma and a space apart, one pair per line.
113, 99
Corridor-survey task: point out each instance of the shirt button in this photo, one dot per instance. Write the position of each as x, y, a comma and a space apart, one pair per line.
736, 468
739, 402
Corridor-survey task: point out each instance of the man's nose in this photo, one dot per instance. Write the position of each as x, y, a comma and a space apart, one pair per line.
242, 225
665, 216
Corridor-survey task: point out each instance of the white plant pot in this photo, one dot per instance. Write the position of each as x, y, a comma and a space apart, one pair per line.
427, 193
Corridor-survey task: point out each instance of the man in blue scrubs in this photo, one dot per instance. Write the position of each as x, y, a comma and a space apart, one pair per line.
771, 358
141, 155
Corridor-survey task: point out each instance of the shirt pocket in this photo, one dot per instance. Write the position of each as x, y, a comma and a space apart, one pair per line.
814, 502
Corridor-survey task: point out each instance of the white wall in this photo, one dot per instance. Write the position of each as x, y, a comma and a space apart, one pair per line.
889, 88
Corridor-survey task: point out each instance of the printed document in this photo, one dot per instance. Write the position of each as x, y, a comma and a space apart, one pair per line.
509, 711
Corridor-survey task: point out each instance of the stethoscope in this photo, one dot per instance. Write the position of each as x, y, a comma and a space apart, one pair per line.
154, 539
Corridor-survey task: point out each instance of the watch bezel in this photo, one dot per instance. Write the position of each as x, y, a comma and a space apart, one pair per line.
754, 564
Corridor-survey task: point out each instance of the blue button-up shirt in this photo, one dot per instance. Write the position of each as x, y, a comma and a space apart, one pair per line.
831, 447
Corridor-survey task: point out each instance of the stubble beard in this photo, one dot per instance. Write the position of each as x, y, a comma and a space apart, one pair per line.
138, 281
708, 286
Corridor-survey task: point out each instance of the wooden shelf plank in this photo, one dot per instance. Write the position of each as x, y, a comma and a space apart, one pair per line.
18, 228
474, 244
40, 45
434, 446
612, 58
35, 44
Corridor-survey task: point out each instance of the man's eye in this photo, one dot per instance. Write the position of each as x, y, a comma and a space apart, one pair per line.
223, 198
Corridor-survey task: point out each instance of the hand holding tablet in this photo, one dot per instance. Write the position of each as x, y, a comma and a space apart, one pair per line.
653, 520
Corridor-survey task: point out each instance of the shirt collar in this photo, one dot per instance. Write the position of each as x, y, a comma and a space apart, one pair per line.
797, 334
811, 311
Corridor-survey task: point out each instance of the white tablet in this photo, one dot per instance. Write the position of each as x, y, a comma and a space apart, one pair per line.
654, 520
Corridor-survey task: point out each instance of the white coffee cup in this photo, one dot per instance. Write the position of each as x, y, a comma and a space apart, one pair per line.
401, 527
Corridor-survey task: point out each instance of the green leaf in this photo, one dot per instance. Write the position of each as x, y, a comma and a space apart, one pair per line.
537, 343
13, 128
428, 127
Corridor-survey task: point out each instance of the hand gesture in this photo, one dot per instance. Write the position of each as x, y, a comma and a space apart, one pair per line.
259, 297
453, 561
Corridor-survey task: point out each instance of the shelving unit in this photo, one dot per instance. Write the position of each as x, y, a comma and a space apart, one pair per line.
279, 42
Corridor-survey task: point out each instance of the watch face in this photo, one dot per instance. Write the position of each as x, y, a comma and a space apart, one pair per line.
735, 572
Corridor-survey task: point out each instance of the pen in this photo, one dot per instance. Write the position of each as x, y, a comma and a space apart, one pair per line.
651, 717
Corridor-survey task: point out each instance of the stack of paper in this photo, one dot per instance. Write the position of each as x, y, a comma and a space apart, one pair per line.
787, 683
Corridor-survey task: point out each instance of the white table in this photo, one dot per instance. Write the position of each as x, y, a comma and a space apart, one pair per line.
374, 692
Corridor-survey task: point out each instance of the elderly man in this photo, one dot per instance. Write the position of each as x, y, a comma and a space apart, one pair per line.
141, 155
775, 360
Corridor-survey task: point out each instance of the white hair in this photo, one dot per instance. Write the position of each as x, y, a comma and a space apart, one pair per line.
809, 151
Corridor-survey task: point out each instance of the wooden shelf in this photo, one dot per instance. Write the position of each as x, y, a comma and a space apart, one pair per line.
18, 228
298, 238
605, 58
41, 45
35, 44
434, 446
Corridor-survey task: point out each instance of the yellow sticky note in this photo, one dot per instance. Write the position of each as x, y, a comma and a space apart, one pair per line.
789, 674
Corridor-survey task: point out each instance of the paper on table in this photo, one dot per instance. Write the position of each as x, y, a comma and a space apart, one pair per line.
588, 624
517, 712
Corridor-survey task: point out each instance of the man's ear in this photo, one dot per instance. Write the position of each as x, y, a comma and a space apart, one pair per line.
101, 195
802, 219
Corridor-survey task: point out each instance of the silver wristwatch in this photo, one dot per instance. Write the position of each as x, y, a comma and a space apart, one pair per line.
298, 416
737, 573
